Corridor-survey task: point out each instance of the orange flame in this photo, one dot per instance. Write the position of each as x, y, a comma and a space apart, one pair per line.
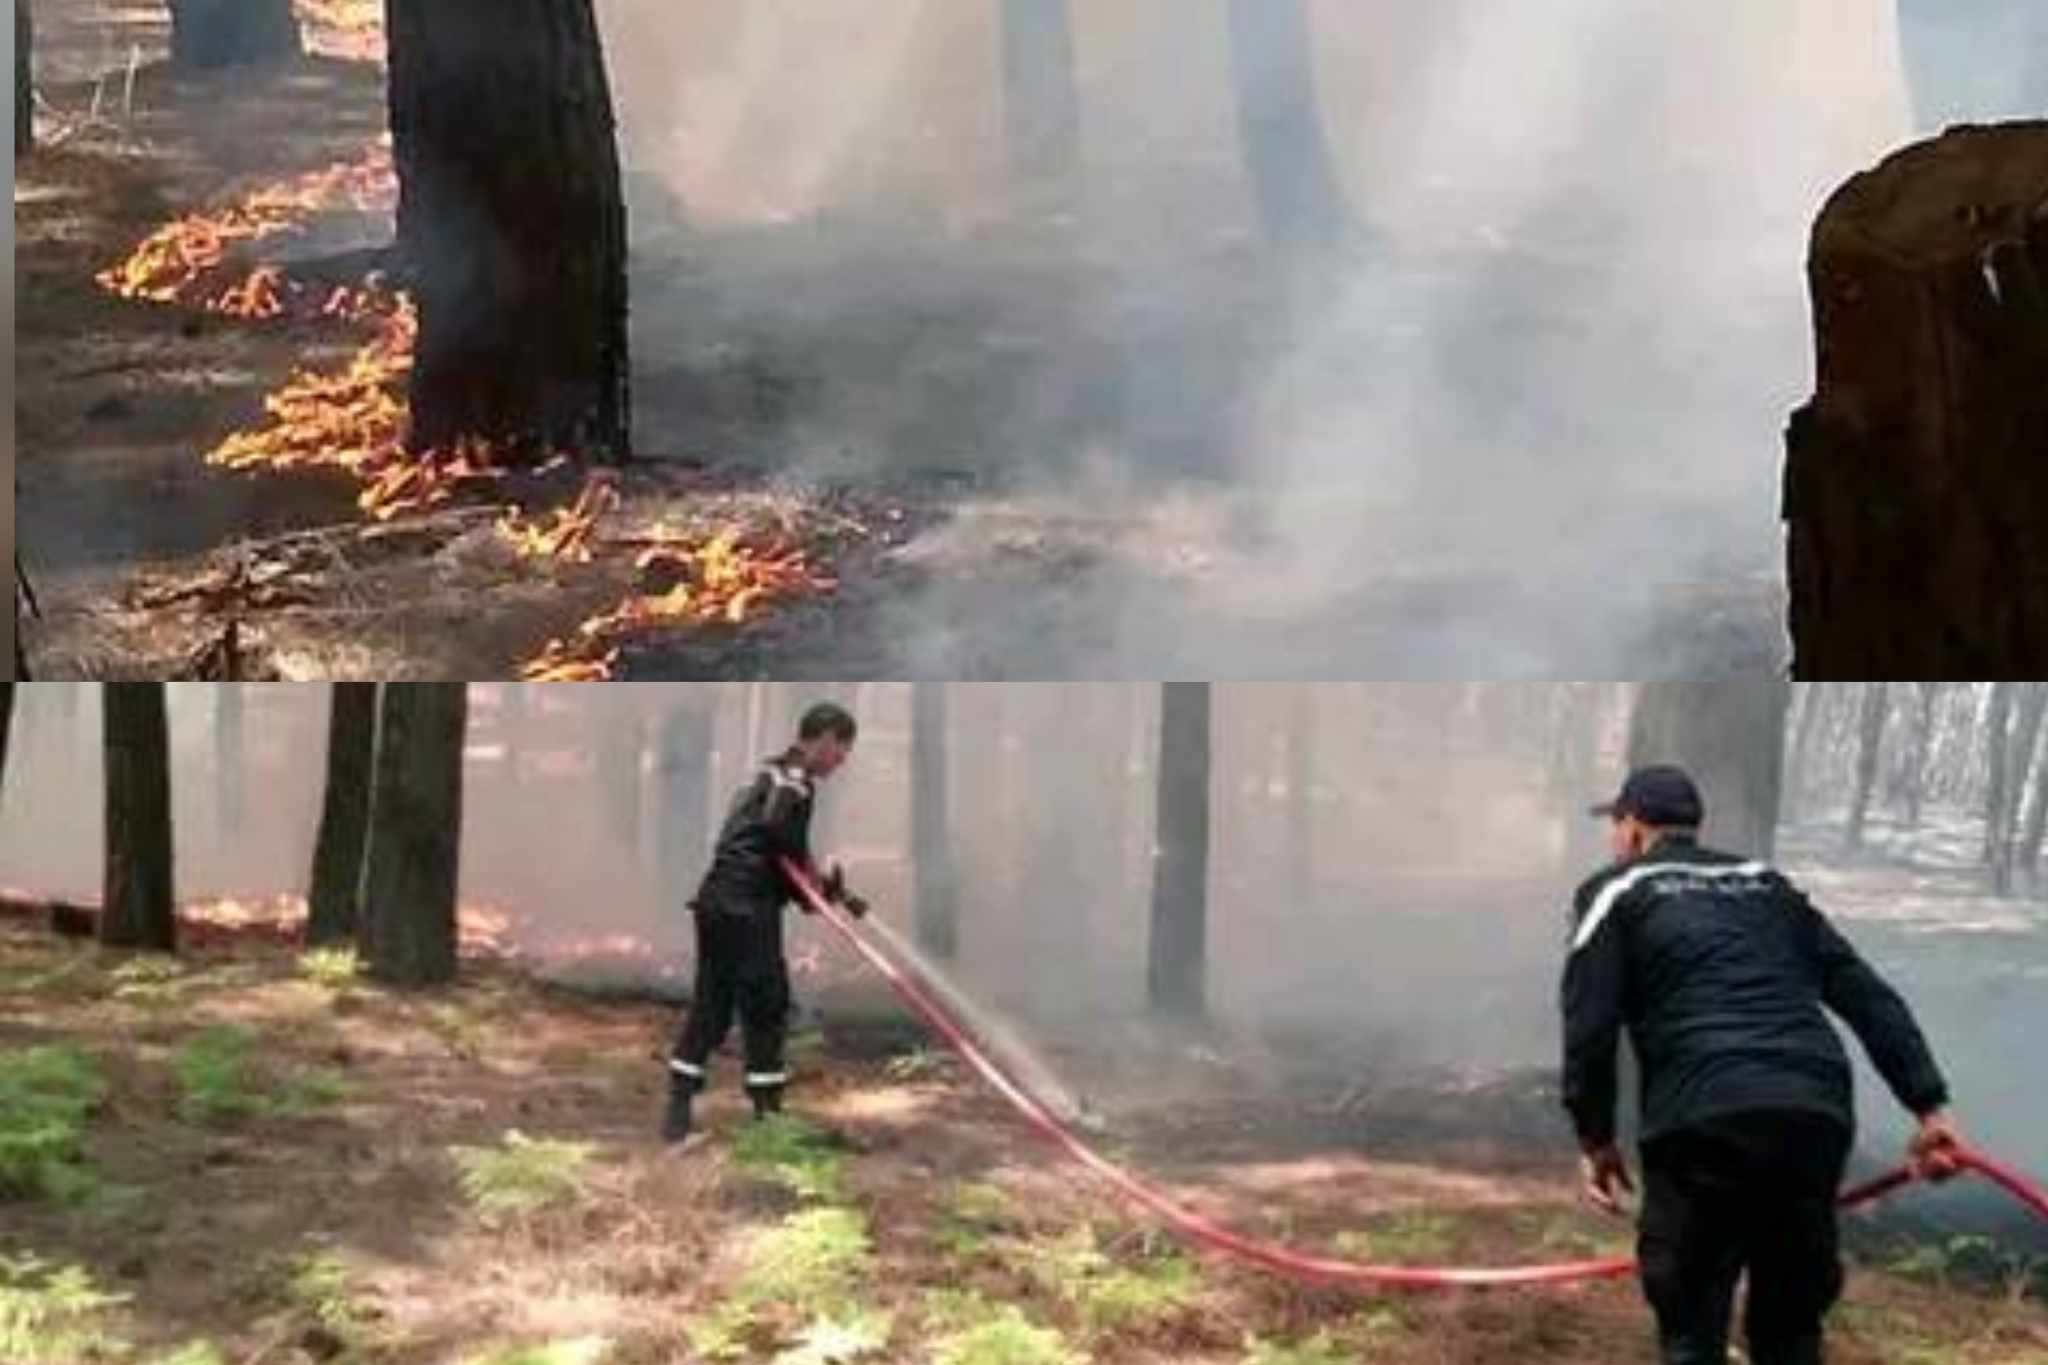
568, 535
350, 29
722, 578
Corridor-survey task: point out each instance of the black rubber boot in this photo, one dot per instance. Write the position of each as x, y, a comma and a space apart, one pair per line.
675, 1123
767, 1100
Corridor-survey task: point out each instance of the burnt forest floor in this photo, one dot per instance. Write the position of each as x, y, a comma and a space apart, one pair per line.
271, 1159
150, 562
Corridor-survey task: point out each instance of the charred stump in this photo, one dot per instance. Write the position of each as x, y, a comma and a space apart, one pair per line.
209, 34
511, 226
1916, 482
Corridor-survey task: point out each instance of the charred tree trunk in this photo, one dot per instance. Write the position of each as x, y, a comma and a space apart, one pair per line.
1730, 735
1923, 747
207, 34
1177, 961
1041, 106
1997, 739
344, 815
406, 931
137, 909
1914, 490
931, 836
2027, 854
2026, 733
6, 728
24, 81
511, 226
512, 719
1869, 742
1286, 151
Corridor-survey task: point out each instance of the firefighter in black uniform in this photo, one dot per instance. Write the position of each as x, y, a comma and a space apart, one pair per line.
738, 909
1719, 967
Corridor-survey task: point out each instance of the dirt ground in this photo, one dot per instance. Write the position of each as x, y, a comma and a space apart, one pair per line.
339, 1226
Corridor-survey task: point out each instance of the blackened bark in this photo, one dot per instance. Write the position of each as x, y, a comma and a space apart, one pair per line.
344, 815
206, 34
1730, 735
1177, 960
931, 839
511, 225
1869, 740
406, 930
6, 727
1915, 494
1041, 106
24, 80
137, 909
1286, 149
1923, 747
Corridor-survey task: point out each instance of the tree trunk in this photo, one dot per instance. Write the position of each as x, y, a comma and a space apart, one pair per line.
2019, 762
206, 34
1041, 106
1997, 738
512, 720
1301, 805
1923, 746
1286, 152
2027, 855
6, 727
1730, 735
137, 908
1869, 740
406, 931
344, 814
24, 83
511, 227
682, 766
1799, 771
1914, 491
228, 777
1177, 962
617, 720
931, 837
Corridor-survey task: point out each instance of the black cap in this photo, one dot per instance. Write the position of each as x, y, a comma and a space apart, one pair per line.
1660, 795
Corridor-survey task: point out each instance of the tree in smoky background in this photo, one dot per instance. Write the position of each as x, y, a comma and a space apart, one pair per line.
1177, 959
24, 89
406, 929
137, 905
336, 884
511, 227
6, 727
1286, 147
936, 912
684, 730
1041, 104
1730, 736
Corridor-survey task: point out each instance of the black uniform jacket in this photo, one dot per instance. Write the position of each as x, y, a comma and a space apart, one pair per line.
1719, 969
770, 819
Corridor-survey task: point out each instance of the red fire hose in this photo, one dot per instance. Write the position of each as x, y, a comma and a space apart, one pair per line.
1282, 1260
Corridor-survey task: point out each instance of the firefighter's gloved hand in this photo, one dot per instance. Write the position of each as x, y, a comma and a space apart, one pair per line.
855, 906
834, 885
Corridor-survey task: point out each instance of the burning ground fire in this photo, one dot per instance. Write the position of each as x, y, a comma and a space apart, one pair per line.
720, 578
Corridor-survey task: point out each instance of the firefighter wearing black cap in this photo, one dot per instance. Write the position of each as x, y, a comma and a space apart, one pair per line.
1719, 967
738, 908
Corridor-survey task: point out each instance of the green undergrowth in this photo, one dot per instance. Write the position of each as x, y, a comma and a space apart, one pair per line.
519, 1175
793, 1153
47, 1092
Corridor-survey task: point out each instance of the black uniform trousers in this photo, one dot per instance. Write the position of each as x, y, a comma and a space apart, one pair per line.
740, 970
1751, 1191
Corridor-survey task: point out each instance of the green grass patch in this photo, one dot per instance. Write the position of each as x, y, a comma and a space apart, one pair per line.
1132, 1296
838, 1339
727, 1332
1408, 1237
520, 1174
971, 1216
784, 1148
193, 1353
52, 1313
46, 1094
150, 979
1317, 1350
216, 1074
333, 969
1006, 1337
918, 1064
309, 1091
810, 1261
565, 1351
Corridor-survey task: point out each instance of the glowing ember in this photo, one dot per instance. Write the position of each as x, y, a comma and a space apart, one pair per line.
567, 537
724, 578
350, 29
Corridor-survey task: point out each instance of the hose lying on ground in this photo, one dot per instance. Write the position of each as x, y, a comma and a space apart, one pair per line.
1282, 1260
